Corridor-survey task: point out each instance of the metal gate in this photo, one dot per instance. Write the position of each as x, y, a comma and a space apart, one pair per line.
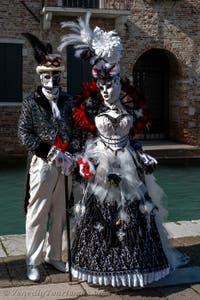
151, 76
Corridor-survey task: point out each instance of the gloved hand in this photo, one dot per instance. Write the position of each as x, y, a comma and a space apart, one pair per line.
149, 163
86, 167
62, 160
55, 155
67, 164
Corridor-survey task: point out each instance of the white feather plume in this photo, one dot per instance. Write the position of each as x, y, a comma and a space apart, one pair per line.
106, 45
81, 37
99, 44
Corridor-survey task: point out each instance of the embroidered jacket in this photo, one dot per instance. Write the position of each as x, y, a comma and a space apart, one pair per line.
38, 128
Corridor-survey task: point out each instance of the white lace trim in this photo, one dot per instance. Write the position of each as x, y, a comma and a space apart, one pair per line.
130, 279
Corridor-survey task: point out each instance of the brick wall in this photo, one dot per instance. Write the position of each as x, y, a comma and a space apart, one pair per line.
169, 25
14, 20
9, 144
174, 27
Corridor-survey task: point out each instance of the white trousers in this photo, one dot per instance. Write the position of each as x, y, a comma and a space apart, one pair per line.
46, 208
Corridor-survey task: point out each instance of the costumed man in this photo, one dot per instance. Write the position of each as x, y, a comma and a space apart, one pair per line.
45, 129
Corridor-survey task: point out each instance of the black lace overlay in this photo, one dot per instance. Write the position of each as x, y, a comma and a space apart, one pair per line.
99, 247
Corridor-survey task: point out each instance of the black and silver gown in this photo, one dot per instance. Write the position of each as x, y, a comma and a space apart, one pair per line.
119, 239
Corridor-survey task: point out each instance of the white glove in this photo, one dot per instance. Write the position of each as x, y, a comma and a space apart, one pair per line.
62, 160
149, 163
147, 159
67, 164
53, 154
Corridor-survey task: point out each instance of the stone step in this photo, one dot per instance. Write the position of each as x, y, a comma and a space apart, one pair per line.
171, 150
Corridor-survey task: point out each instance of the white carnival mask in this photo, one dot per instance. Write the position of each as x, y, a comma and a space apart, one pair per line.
110, 91
50, 80
50, 87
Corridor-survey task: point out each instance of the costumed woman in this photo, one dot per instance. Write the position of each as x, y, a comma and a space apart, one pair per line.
119, 239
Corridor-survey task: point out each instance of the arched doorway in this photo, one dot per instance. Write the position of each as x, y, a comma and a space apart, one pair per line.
151, 77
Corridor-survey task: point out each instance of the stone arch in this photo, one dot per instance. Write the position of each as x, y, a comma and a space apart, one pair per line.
154, 74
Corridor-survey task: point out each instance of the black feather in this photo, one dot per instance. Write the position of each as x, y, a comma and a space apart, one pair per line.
40, 49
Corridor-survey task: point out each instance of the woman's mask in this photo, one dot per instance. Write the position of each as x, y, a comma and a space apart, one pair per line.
110, 91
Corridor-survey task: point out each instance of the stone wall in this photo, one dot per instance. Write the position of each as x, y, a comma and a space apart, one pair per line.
171, 25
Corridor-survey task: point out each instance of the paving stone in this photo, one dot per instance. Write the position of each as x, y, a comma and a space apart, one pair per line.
180, 293
2, 253
53, 275
4, 275
183, 228
140, 293
196, 288
45, 292
92, 290
186, 241
14, 244
170, 290
44, 275
16, 266
2, 250
110, 297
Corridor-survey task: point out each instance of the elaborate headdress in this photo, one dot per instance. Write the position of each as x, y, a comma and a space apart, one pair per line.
43, 55
101, 48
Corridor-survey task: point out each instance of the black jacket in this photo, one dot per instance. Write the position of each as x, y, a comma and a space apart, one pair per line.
38, 128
